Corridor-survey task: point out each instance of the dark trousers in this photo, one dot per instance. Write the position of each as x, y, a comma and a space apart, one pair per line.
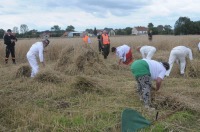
106, 50
100, 47
10, 50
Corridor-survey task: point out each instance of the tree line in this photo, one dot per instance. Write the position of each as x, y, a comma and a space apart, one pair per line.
183, 26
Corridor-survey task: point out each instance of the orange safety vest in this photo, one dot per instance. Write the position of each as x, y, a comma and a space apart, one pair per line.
85, 39
105, 39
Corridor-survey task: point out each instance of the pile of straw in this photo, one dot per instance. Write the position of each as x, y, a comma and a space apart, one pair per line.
193, 69
48, 76
23, 71
77, 59
86, 85
119, 67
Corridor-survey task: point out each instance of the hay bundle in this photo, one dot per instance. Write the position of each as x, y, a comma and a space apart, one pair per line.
23, 71
86, 85
193, 69
77, 59
48, 76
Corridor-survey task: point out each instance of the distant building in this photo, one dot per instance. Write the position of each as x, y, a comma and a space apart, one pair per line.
139, 30
74, 34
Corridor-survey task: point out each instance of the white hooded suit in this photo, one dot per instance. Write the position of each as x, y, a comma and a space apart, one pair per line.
147, 52
179, 54
36, 50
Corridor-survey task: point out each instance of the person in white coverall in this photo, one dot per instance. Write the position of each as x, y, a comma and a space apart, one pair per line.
146, 51
124, 53
36, 50
179, 55
199, 46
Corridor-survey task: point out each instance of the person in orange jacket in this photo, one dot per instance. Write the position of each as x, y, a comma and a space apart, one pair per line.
105, 40
86, 38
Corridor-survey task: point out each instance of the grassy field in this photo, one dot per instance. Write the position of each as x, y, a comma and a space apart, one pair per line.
79, 91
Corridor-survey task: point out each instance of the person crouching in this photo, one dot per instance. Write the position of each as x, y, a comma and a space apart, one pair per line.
145, 71
124, 53
36, 50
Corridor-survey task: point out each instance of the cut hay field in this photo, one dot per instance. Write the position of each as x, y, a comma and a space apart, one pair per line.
79, 91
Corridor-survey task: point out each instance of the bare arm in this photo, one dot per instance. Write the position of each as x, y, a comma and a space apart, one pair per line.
158, 83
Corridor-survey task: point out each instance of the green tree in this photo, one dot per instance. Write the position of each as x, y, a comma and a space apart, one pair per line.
120, 32
95, 31
154, 30
128, 30
15, 30
182, 26
160, 29
70, 28
150, 26
197, 27
2, 33
32, 34
55, 28
23, 28
89, 31
168, 29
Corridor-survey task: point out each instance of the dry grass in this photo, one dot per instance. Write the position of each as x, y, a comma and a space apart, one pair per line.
23, 71
59, 100
49, 76
75, 60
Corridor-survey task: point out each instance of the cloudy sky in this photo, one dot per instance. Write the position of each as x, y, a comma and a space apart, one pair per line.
44, 14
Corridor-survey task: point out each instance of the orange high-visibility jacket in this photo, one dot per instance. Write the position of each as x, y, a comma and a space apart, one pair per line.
85, 39
105, 39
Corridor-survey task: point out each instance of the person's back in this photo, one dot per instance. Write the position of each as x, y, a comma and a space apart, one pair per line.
199, 46
156, 69
36, 48
179, 54
146, 48
122, 50
147, 51
184, 51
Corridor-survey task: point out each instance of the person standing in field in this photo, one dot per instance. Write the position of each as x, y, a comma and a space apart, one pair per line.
179, 55
99, 40
146, 51
199, 46
9, 41
105, 40
150, 35
86, 38
124, 53
37, 49
145, 71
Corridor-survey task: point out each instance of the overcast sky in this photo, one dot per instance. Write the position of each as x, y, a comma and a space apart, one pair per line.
44, 14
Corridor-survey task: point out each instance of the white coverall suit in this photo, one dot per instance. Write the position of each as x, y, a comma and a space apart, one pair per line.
199, 46
36, 50
121, 52
179, 54
147, 52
